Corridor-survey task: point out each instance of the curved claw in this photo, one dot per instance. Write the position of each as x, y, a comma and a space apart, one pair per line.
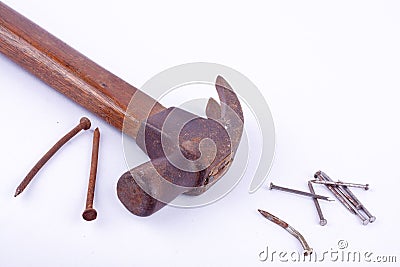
229, 113
228, 97
213, 109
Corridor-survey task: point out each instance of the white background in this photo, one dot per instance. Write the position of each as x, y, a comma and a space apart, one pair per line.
329, 71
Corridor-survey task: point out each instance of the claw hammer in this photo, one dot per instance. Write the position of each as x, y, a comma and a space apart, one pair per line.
188, 153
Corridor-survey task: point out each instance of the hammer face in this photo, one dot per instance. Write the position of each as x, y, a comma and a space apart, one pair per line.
188, 154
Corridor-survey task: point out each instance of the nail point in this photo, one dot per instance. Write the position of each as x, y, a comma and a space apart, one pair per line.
271, 185
308, 252
17, 192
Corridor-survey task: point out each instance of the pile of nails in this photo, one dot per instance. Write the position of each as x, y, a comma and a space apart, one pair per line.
342, 192
339, 189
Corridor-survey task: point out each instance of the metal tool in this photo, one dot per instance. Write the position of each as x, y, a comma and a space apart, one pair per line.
90, 213
298, 192
84, 124
339, 183
322, 220
186, 158
307, 250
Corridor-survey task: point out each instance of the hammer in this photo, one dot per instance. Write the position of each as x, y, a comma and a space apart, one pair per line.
188, 153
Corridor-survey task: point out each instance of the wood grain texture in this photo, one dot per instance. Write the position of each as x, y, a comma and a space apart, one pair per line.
72, 73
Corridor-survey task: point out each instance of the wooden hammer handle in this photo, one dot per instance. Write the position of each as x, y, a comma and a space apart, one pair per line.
71, 73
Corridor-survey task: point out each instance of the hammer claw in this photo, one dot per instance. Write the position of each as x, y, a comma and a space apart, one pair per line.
213, 109
228, 97
231, 111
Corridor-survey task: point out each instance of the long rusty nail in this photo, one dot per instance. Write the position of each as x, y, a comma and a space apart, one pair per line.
359, 205
90, 213
84, 124
323, 177
345, 200
341, 199
370, 216
322, 220
351, 202
349, 197
298, 192
340, 183
307, 250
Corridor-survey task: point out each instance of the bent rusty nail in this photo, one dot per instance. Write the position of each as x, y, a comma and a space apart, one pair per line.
84, 124
307, 250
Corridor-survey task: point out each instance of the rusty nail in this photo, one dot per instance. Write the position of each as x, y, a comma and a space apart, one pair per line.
340, 183
370, 216
359, 205
349, 197
84, 124
90, 213
342, 197
307, 250
325, 179
298, 192
322, 220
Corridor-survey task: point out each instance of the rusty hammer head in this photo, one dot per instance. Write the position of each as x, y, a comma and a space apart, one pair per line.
188, 153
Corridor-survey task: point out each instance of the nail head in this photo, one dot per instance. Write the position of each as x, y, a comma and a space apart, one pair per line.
85, 123
323, 222
89, 214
